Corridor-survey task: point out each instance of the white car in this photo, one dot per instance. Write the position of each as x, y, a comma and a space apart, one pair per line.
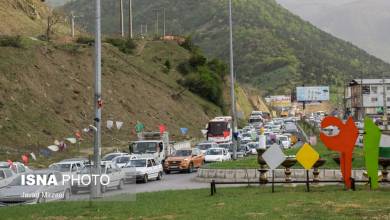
18, 193
217, 154
204, 146
109, 157
121, 161
144, 169
6, 176
115, 174
16, 167
67, 166
283, 141
252, 147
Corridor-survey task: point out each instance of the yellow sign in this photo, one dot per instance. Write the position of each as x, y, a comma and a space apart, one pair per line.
307, 156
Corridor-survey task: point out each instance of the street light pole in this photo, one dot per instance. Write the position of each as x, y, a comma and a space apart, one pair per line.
96, 192
72, 20
121, 19
164, 22
131, 19
232, 82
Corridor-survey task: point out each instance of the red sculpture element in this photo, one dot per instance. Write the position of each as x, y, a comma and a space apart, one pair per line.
344, 143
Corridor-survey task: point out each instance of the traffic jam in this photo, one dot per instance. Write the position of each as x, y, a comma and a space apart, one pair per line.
149, 158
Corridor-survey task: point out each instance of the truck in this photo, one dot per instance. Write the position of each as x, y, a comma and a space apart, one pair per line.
155, 145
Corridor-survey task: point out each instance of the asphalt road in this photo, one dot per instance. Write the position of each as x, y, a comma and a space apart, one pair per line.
174, 181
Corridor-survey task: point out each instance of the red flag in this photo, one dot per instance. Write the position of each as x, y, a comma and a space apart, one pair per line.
78, 135
162, 129
25, 159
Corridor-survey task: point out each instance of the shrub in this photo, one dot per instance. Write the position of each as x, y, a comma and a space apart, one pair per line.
168, 65
197, 60
125, 45
11, 41
206, 84
85, 40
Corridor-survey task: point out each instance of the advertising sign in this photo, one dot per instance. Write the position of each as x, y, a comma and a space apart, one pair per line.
280, 101
310, 94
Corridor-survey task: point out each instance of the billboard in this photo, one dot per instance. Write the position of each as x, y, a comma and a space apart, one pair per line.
313, 93
279, 101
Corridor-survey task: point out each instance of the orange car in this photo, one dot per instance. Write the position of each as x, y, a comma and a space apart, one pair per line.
184, 160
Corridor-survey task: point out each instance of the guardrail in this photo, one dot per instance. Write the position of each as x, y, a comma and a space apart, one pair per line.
213, 183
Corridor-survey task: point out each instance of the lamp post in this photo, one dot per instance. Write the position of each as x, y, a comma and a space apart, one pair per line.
96, 192
232, 82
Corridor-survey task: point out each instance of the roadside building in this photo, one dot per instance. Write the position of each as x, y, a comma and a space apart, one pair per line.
367, 97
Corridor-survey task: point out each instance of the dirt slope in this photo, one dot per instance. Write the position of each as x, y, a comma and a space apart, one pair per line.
46, 92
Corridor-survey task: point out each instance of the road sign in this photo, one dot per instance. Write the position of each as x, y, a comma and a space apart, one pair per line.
274, 157
307, 156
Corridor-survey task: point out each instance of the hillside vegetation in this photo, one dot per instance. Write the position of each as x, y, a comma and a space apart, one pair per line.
275, 50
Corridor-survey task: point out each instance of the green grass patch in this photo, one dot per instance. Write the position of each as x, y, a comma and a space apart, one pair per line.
331, 202
251, 162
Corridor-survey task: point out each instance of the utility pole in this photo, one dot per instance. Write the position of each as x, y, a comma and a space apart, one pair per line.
385, 119
96, 192
156, 21
142, 29
121, 19
72, 21
164, 23
232, 82
131, 19
146, 29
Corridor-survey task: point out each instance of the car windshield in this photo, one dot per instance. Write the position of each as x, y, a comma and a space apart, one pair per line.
61, 167
203, 146
283, 138
252, 145
136, 163
145, 147
110, 157
214, 152
226, 146
183, 153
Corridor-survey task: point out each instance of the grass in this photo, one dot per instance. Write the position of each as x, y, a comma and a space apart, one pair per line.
331, 202
251, 162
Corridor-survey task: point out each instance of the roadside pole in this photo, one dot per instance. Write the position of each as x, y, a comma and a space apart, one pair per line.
121, 19
95, 192
72, 20
232, 83
164, 24
131, 19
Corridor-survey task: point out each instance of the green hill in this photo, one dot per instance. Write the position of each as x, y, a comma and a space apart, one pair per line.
274, 49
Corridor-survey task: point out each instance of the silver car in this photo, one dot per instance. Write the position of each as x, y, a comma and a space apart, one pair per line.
18, 192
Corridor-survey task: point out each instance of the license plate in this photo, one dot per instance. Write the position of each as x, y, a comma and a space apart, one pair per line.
174, 167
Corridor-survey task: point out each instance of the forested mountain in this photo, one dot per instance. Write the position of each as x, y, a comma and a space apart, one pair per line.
274, 49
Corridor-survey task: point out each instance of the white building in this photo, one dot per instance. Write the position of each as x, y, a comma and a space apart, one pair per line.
367, 97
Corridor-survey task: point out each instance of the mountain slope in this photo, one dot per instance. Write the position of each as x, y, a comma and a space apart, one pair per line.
47, 92
274, 49
361, 22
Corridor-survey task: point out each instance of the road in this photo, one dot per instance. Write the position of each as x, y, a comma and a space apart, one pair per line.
169, 182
